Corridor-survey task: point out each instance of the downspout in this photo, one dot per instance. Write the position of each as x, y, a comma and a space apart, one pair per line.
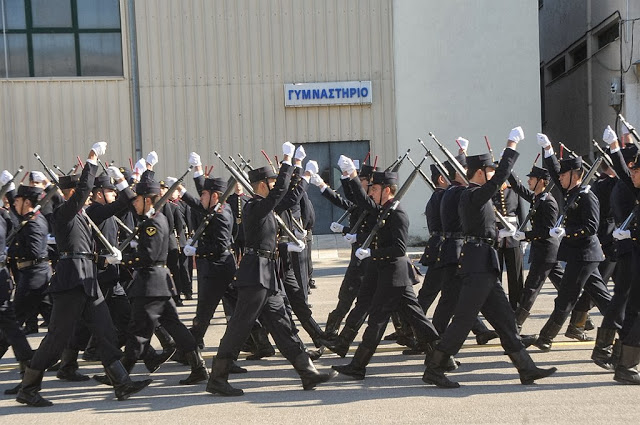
135, 80
590, 79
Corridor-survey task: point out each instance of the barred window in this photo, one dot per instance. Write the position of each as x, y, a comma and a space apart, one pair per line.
60, 38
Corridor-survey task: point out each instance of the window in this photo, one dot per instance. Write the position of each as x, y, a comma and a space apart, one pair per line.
578, 54
609, 34
557, 68
60, 38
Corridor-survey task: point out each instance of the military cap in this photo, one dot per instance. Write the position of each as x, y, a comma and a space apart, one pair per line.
385, 178
29, 192
366, 171
215, 184
261, 173
629, 153
476, 162
148, 188
435, 173
539, 173
573, 163
69, 181
103, 181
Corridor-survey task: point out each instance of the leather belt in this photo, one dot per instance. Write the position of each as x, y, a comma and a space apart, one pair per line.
29, 263
479, 240
77, 255
436, 234
453, 235
214, 255
261, 253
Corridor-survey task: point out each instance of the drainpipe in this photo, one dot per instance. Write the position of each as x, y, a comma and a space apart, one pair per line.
135, 80
589, 78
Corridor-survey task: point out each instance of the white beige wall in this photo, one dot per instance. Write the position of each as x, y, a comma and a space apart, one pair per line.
465, 68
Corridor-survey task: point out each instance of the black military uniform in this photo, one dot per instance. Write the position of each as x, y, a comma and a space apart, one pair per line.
76, 293
260, 291
544, 248
394, 287
481, 288
581, 250
152, 290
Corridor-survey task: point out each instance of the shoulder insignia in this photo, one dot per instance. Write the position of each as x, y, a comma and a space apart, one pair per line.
151, 230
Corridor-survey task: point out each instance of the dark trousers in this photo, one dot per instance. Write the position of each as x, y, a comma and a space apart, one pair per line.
607, 271
360, 311
630, 332
297, 295
538, 273
512, 259
614, 315
185, 272
451, 285
431, 287
254, 301
300, 268
350, 286
401, 299
119, 308
12, 334
68, 308
147, 314
481, 292
27, 304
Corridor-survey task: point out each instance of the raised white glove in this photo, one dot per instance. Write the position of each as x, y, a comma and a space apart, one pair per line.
543, 140
133, 244
151, 212
51, 240
519, 236
194, 159
346, 164
140, 167
288, 148
170, 180
295, 247
312, 167
38, 176
152, 158
336, 227
300, 235
115, 258
620, 234
114, 173
516, 134
363, 253
5, 177
557, 232
315, 179
506, 233
463, 143
99, 148
189, 250
300, 153
609, 136
351, 238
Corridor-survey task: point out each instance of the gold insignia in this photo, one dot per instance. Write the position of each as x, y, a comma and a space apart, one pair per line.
151, 230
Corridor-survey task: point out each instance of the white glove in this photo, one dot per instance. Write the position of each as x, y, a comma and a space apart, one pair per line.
300, 153
51, 240
463, 143
363, 253
288, 148
315, 179
506, 233
543, 140
557, 232
170, 180
346, 164
519, 236
336, 227
312, 167
516, 134
609, 136
194, 159
620, 234
11, 187
5, 177
38, 176
523, 247
151, 212
300, 235
133, 244
351, 238
99, 148
115, 258
140, 167
114, 173
189, 250
295, 247
152, 158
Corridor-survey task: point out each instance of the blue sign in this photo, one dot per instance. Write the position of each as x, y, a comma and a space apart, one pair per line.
328, 94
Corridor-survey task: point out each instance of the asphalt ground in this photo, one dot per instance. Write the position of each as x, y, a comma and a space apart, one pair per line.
490, 392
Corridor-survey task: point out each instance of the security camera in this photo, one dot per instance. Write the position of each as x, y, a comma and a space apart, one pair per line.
614, 87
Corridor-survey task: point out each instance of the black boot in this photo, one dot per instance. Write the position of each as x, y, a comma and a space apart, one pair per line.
31, 384
603, 350
521, 315
314, 331
308, 374
315, 354
333, 324
166, 341
340, 345
358, 366
13, 391
436, 367
547, 333
450, 365
627, 368
198, 370
589, 325
68, 370
127, 362
485, 337
617, 350
153, 360
218, 379
123, 385
263, 345
90, 353
527, 369
575, 330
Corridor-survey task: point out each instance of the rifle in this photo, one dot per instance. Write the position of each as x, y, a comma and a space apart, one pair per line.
5, 188
54, 177
625, 224
216, 209
574, 196
439, 165
606, 156
631, 128
247, 187
392, 206
424, 176
452, 160
346, 214
156, 207
245, 163
119, 222
268, 160
395, 165
51, 190
535, 206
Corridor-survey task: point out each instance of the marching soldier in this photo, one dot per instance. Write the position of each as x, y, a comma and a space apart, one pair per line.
481, 289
